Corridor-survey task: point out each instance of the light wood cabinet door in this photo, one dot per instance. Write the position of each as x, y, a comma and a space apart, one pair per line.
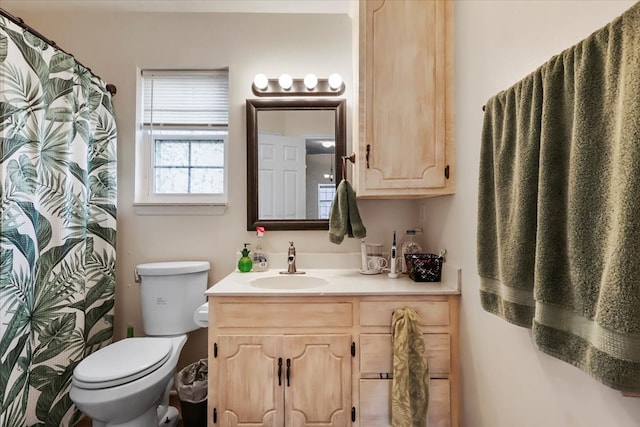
282, 381
319, 394
406, 143
247, 379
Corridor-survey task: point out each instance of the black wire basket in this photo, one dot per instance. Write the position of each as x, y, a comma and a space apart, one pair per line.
424, 267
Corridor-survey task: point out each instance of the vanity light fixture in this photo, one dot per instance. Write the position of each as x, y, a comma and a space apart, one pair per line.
335, 81
310, 81
285, 81
261, 81
285, 85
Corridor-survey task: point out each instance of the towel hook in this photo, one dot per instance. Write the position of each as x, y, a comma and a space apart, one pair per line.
352, 159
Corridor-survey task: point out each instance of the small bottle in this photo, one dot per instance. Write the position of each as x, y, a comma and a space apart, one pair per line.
409, 246
260, 262
245, 264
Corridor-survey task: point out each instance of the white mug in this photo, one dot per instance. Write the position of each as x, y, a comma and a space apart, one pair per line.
376, 263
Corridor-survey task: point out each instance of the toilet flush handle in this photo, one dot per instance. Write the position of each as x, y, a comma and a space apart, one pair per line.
136, 276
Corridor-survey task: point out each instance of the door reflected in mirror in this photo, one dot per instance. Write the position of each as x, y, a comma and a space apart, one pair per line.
294, 152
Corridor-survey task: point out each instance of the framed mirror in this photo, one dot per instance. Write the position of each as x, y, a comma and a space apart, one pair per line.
294, 161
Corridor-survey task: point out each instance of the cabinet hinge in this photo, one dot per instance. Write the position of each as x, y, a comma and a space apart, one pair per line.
446, 172
353, 414
353, 349
215, 349
215, 415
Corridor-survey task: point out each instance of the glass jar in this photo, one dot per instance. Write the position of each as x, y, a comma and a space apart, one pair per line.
409, 246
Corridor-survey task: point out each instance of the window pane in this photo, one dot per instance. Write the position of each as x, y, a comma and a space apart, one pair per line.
172, 180
207, 180
172, 153
326, 193
207, 153
188, 166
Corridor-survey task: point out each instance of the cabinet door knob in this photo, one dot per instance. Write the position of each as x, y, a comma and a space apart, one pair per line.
288, 371
279, 371
367, 156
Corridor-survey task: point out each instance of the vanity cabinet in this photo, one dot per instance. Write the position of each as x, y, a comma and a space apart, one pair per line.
273, 380
405, 129
279, 363
283, 361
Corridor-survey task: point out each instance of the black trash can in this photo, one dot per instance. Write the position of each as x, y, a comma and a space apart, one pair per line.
191, 384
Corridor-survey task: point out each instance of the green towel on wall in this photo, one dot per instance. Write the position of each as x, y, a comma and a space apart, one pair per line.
559, 204
410, 389
344, 217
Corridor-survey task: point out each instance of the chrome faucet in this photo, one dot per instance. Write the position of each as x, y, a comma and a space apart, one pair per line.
291, 261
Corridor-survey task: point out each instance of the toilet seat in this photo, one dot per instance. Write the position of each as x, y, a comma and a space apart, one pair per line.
122, 362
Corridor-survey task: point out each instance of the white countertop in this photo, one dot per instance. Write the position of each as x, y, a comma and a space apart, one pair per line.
340, 282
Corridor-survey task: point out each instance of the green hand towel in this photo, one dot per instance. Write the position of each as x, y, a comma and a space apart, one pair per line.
344, 217
410, 388
558, 222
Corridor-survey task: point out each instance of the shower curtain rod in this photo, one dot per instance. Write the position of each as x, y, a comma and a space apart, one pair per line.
19, 21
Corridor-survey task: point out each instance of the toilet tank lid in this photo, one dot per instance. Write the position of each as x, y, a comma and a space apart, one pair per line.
173, 267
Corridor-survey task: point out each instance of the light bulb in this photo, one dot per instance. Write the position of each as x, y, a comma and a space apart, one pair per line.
335, 81
285, 81
310, 81
261, 81
327, 144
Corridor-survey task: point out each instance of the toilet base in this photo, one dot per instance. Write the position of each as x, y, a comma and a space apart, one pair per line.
171, 418
148, 419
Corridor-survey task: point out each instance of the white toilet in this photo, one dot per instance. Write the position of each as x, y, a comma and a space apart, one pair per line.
127, 383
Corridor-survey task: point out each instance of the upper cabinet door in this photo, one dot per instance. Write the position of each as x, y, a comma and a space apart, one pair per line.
406, 140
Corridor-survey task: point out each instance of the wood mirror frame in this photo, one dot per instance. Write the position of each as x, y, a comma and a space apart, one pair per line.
253, 107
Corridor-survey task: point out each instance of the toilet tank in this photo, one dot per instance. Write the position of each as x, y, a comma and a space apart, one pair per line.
170, 293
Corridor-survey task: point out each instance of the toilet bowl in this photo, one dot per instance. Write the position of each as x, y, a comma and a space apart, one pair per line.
125, 394
127, 383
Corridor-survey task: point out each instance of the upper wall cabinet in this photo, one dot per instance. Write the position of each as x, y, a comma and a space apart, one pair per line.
405, 132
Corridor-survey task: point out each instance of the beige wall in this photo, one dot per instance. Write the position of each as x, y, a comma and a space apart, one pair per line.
506, 381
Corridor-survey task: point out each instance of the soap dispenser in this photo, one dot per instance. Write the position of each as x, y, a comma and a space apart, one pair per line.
260, 262
245, 264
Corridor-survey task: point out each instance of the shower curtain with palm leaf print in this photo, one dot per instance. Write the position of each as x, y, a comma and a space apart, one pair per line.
57, 230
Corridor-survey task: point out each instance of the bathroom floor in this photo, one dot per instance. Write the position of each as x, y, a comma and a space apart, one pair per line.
173, 399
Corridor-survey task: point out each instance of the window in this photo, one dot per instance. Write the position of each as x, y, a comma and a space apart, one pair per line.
326, 193
188, 166
182, 147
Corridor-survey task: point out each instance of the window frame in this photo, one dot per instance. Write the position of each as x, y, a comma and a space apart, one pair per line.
144, 195
321, 186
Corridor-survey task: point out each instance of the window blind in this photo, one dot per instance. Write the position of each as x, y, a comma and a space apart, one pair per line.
186, 98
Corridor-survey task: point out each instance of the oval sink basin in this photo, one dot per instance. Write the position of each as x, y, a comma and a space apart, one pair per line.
294, 281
